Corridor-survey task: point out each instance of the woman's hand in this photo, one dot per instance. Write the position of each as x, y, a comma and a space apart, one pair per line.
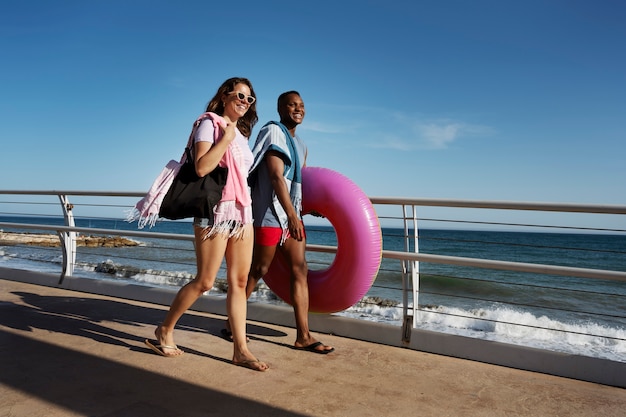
228, 131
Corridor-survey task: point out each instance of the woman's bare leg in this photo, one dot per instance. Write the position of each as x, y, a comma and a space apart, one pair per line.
209, 255
238, 259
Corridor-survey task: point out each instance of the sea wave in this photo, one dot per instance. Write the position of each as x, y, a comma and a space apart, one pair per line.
509, 325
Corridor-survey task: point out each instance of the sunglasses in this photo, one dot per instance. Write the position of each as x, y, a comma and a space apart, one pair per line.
242, 96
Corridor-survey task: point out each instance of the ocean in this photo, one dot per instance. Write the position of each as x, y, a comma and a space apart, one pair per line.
565, 314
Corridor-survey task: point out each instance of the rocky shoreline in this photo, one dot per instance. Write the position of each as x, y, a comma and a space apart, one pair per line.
50, 240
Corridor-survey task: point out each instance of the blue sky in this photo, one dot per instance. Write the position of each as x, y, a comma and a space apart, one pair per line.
486, 99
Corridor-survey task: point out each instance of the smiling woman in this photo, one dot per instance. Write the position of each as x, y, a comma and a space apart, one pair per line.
226, 232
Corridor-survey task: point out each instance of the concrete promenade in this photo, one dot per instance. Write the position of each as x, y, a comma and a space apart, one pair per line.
66, 353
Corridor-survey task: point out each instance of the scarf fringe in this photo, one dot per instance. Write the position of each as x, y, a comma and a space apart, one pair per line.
230, 228
142, 221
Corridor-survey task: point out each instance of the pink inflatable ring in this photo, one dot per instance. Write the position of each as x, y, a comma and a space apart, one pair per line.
359, 243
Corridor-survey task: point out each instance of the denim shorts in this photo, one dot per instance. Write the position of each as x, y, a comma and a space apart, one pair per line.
202, 222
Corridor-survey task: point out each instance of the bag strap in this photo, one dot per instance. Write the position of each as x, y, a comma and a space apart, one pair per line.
187, 155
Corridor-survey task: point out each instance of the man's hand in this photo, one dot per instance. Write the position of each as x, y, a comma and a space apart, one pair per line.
296, 229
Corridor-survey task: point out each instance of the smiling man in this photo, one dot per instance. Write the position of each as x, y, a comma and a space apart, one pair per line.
276, 181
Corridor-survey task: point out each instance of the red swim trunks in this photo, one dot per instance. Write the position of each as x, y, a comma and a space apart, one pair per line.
269, 236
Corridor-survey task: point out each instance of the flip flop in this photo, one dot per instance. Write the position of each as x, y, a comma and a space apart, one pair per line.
248, 363
312, 348
159, 349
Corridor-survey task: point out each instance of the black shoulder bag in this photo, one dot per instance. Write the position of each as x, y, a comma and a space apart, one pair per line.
192, 196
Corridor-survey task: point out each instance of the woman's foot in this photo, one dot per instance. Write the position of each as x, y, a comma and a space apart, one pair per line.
164, 345
254, 364
247, 360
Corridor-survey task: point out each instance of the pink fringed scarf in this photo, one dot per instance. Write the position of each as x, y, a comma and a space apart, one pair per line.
236, 188
146, 211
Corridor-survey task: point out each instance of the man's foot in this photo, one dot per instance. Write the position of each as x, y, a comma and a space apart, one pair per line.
316, 347
228, 335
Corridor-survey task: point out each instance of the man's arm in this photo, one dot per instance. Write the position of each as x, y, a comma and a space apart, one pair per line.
276, 168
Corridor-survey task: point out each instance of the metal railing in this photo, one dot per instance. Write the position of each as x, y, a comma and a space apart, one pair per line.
411, 261
412, 217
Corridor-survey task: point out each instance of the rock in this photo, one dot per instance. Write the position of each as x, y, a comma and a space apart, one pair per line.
50, 240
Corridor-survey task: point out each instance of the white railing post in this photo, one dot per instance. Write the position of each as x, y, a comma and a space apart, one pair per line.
415, 268
68, 239
409, 267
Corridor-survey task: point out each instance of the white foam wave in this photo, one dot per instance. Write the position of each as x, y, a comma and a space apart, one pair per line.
523, 328
507, 325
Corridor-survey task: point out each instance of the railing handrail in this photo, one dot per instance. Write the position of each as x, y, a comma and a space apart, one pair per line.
76, 192
433, 202
403, 256
503, 205
509, 266
92, 230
